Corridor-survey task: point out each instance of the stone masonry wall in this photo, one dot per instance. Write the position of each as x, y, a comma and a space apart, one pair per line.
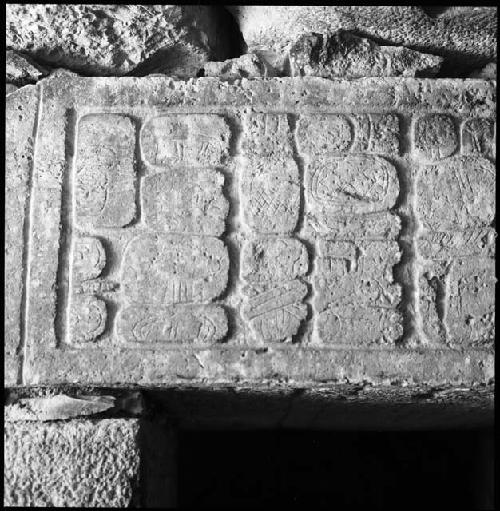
262, 216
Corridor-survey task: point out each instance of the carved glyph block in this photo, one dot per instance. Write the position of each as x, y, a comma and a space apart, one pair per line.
87, 319
435, 136
270, 195
479, 137
267, 135
194, 139
189, 202
169, 269
352, 194
104, 180
458, 193
174, 324
89, 258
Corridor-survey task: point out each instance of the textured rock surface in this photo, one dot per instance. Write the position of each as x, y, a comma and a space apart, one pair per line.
249, 65
116, 39
343, 55
211, 239
465, 36
71, 464
20, 71
488, 72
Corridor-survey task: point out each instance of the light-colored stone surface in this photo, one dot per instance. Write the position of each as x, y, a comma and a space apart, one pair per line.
488, 72
344, 55
249, 65
115, 39
464, 37
20, 71
292, 247
71, 464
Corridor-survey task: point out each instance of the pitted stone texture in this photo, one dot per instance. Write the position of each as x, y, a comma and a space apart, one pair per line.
180, 306
249, 65
185, 202
465, 39
71, 464
344, 55
116, 39
20, 70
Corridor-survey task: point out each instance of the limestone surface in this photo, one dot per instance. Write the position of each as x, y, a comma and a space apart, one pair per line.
344, 55
465, 37
20, 71
288, 229
115, 40
76, 463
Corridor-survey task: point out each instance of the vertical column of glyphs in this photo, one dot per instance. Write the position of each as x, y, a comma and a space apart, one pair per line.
272, 261
456, 209
350, 195
161, 228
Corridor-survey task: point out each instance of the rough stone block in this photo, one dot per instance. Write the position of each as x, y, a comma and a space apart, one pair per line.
190, 277
20, 70
71, 463
435, 137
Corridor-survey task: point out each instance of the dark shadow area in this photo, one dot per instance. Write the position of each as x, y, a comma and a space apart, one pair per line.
336, 470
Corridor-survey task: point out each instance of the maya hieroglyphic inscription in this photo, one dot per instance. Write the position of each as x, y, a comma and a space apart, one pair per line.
272, 266
158, 271
351, 189
456, 206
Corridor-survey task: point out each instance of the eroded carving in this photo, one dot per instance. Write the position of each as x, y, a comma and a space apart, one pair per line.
105, 174
276, 314
175, 324
268, 135
458, 193
266, 262
87, 319
190, 202
169, 269
89, 258
434, 137
191, 139
271, 195
478, 137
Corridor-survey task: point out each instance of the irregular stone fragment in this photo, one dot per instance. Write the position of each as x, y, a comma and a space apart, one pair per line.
106, 40
458, 193
359, 325
20, 70
344, 55
457, 301
358, 273
20, 120
89, 258
339, 134
192, 139
267, 135
465, 39
488, 72
276, 314
77, 463
267, 262
58, 407
185, 201
168, 269
479, 137
359, 189
249, 65
270, 194
435, 137
176, 324
87, 320
105, 173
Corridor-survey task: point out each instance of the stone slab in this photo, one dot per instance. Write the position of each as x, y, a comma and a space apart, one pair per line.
139, 301
76, 463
